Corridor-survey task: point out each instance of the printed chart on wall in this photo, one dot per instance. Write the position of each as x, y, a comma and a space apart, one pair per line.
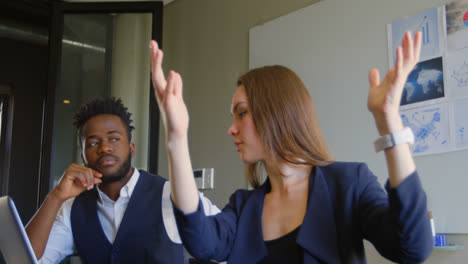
435, 98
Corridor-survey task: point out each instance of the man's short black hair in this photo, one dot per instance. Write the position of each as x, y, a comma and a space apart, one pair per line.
103, 105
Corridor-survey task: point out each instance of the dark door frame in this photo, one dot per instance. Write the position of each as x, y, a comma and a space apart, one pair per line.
5, 138
55, 50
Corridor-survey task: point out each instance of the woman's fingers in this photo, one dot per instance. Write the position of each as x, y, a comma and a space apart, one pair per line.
399, 63
411, 50
159, 70
408, 47
407, 56
174, 85
178, 86
153, 55
417, 45
170, 84
156, 68
374, 78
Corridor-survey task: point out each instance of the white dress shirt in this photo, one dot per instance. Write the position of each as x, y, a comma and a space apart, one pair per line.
110, 213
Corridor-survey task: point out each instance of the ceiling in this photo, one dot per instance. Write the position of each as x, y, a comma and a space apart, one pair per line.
38, 11
164, 1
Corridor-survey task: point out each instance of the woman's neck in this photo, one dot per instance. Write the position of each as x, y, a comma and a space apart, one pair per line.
288, 177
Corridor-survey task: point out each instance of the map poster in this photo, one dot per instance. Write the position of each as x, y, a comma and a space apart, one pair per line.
460, 116
457, 73
430, 125
425, 82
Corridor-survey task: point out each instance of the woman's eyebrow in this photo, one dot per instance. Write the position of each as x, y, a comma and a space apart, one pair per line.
235, 106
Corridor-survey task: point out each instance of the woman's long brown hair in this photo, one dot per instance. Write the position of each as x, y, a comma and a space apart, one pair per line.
285, 118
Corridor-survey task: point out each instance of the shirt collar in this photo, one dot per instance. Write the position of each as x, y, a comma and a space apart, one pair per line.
126, 190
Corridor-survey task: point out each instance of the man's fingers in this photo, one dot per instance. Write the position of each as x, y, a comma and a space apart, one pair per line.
96, 173
83, 175
90, 178
96, 177
74, 174
97, 181
80, 179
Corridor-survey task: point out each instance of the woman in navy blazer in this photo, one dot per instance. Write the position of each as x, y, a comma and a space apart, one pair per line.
310, 209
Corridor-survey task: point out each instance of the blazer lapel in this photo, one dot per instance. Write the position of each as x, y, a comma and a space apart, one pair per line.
132, 206
318, 234
249, 246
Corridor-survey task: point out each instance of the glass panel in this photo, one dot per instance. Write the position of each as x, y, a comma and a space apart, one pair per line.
102, 54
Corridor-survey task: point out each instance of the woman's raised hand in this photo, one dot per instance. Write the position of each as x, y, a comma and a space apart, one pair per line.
169, 96
384, 97
168, 92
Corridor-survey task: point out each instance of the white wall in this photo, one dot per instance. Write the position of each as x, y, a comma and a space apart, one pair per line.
332, 49
207, 42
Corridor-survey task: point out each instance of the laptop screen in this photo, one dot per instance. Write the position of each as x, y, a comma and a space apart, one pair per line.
14, 243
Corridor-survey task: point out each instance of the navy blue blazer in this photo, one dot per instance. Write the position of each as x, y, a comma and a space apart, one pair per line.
346, 204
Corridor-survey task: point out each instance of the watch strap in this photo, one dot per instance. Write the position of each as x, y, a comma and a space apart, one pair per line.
404, 136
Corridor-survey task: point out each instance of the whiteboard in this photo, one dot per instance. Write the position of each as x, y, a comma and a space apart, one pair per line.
332, 45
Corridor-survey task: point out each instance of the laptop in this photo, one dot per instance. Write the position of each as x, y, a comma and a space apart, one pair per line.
14, 243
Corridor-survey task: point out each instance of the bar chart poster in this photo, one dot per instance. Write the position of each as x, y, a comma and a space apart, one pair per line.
429, 23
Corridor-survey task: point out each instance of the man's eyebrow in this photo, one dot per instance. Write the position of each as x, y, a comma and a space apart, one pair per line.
113, 132
91, 137
108, 133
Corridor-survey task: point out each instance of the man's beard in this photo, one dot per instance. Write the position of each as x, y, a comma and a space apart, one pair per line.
120, 173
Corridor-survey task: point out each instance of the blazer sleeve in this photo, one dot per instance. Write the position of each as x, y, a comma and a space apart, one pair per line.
209, 237
396, 222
